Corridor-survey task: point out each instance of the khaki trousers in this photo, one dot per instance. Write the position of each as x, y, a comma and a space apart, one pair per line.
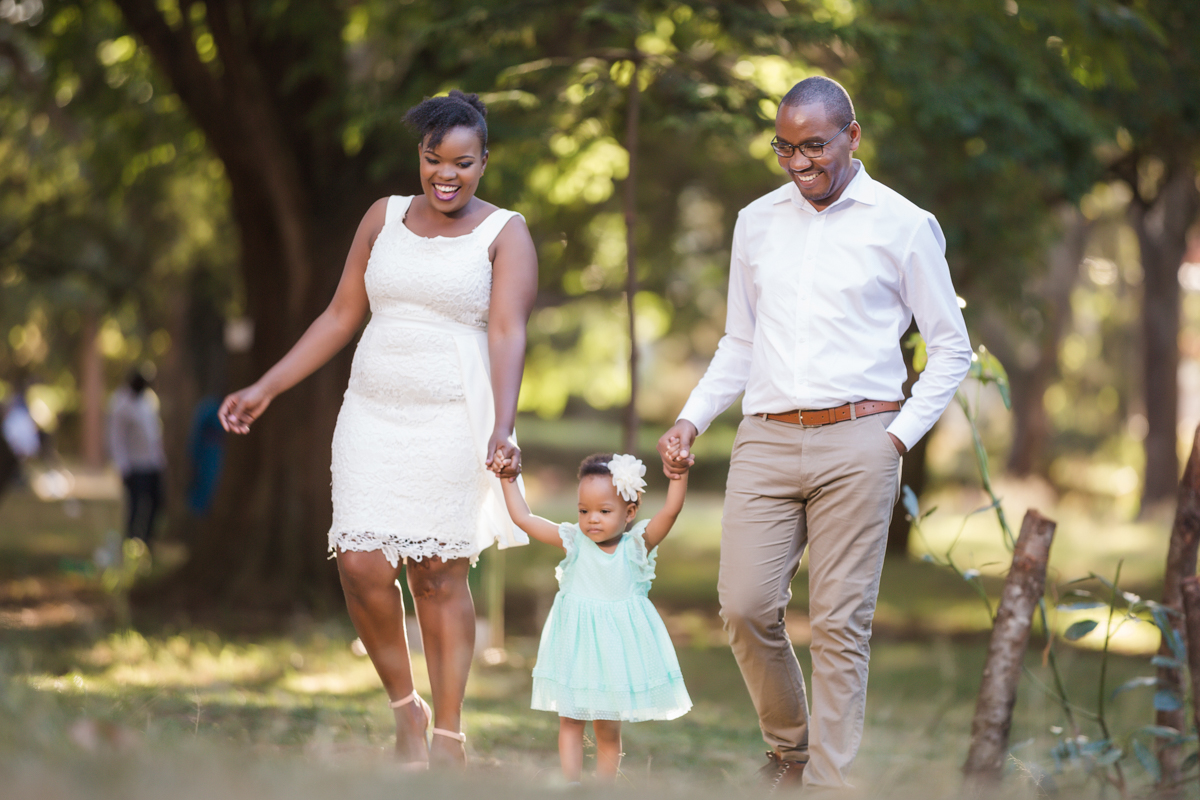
830, 489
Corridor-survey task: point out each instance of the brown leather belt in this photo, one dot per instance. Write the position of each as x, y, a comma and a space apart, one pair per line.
828, 416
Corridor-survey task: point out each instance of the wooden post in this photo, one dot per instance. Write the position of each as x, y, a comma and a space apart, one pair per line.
1190, 589
1002, 671
1181, 564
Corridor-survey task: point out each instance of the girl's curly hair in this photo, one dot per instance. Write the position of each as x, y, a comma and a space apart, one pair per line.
434, 116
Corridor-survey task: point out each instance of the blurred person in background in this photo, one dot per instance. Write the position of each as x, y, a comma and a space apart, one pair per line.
136, 446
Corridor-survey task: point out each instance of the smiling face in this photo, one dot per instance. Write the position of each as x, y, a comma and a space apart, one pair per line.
451, 171
820, 180
603, 514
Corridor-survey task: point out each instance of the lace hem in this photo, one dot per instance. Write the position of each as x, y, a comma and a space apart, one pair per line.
396, 547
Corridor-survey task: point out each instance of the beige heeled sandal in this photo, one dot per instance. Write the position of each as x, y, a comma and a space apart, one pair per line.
417, 766
461, 737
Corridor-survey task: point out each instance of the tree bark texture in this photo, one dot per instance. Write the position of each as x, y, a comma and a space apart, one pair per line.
91, 390
1023, 589
1161, 223
1190, 589
1181, 565
296, 198
631, 282
1031, 424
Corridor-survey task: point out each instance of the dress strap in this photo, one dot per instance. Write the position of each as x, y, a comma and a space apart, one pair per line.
397, 207
490, 228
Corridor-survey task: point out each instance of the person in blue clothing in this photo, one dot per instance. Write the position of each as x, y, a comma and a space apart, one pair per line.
206, 452
604, 655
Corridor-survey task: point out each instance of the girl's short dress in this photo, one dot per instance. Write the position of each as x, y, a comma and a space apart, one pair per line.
605, 653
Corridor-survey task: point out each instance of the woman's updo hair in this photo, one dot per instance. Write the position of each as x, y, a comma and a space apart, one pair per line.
433, 116
595, 464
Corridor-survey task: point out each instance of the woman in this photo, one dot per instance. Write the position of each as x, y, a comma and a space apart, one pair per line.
450, 281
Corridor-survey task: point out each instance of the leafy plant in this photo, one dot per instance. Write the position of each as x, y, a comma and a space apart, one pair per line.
1105, 758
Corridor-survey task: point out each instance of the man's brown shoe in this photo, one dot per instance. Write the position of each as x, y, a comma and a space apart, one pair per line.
781, 775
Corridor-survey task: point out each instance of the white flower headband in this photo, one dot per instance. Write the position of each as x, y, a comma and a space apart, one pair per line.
627, 472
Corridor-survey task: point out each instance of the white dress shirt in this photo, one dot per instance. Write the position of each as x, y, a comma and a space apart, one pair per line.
818, 301
135, 432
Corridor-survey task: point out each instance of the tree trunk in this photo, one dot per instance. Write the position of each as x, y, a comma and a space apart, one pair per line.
1002, 670
631, 282
1181, 565
1031, 425
1161, 225
1190, 589
297, 199
91, 390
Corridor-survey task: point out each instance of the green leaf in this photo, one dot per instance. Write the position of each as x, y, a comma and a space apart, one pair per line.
1082, 606
1110, 756
1167, 700
1189, 762
916, 343
910, 502
1160, 731
1136, 683
1148, 760
1080, 629
992, 371
1167, 662
929, 512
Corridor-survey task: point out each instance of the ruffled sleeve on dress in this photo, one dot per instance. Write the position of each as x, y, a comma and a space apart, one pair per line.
568, 532
641, 560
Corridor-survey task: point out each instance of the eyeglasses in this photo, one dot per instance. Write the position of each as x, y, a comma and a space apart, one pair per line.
808, 149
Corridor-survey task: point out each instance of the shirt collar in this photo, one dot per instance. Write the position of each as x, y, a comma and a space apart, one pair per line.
861, 189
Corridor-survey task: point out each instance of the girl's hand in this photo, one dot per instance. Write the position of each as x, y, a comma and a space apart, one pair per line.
504, 457
240, 409
672, 444
675, 449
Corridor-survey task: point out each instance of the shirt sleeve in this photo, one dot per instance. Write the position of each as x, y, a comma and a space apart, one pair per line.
926, 289
729, 371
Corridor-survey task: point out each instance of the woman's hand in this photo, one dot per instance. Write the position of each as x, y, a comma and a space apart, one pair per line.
239, 409
504, 457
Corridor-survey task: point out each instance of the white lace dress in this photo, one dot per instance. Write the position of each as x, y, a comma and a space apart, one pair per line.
409, 474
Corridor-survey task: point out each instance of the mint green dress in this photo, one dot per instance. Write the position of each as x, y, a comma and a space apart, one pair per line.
605, 653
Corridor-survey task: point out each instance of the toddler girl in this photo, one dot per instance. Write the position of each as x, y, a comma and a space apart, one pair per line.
604, 655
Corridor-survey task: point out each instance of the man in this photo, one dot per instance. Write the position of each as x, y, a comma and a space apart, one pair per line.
136, 446
826, 274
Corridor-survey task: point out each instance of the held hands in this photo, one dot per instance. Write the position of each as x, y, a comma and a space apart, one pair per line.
504, 457
241, 408
675, 449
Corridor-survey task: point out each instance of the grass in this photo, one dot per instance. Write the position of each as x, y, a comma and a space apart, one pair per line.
87, 710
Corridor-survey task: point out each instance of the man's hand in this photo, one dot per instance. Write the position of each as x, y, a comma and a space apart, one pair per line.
900, 448
675, 449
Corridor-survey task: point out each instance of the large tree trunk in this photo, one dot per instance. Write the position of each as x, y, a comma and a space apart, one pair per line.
1161, 224
1031, 425
1181, 565
297, 198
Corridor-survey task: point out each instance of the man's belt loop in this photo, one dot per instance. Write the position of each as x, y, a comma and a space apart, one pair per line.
853, 414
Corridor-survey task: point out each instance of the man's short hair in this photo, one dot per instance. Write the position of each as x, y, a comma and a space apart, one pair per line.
826, 91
